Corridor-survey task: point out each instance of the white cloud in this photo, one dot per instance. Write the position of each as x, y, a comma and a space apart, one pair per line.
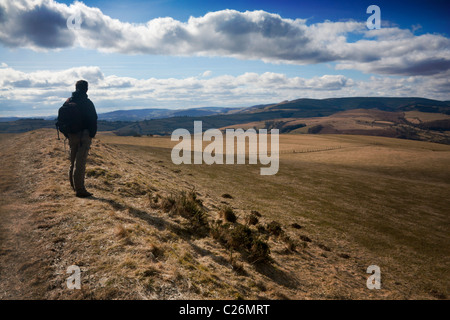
48, 89
41, 25
207, 73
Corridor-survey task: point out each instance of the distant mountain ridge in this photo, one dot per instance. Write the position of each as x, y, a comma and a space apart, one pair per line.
141, 114
157, 113
310, 107
300, 108
341, 104
295, 115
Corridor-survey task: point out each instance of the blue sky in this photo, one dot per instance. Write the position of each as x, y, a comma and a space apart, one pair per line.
179, 54
430, 14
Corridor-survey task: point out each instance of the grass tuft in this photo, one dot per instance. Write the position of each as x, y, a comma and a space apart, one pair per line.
228, 214
188, 206
252, 219
274, 228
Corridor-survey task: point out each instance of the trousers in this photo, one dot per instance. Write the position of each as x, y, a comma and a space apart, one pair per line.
80, 144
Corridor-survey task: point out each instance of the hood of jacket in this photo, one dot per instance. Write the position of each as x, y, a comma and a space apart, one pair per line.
78, 95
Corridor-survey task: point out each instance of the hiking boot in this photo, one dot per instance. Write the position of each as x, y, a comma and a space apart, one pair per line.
83, 194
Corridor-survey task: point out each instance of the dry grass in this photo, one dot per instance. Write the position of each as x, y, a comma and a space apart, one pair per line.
417, 116
374, 201
371, 122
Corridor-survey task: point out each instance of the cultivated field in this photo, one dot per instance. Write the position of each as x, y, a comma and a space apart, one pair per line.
338, 204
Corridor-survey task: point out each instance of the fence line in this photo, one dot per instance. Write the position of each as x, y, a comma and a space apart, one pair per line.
310, 150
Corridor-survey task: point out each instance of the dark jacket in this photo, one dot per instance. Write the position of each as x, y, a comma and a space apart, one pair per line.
88, 110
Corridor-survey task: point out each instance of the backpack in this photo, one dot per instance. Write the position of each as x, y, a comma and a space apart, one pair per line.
70, 118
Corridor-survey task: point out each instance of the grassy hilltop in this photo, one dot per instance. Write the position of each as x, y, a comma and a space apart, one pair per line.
154, 230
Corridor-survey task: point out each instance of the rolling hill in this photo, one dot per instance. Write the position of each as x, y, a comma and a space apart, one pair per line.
148, 114
382, 116
373, 116
156, 230
342, 104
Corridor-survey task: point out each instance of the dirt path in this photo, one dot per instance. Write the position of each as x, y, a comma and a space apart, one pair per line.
18, 237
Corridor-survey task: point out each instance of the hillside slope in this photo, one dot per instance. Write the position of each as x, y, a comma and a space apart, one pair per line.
300, 109
392, 104
129, 245
412, 125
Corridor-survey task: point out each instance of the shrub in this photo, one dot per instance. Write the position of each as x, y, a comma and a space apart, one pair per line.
228, 214
238, 268
274, 228
290, 244
241, 238
218, 231
305, 238
167, 203
261, 229
252, 219
256, 213
187, 206
259, 251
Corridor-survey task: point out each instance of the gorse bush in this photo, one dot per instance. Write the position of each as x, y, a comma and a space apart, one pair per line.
167, 203
275, 228
252, 219
228, 232
259, 251
188, 206
228, 214
239, 237
243, 239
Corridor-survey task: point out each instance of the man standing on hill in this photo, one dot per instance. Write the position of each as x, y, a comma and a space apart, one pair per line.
80, 142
